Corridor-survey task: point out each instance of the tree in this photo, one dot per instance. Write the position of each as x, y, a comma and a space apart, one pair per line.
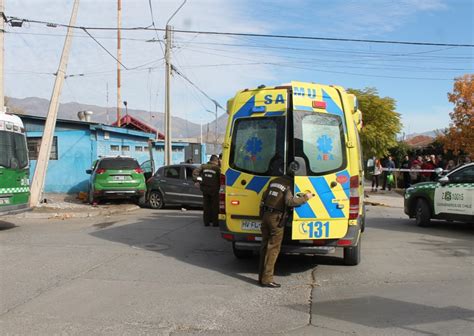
381, 122
460, 134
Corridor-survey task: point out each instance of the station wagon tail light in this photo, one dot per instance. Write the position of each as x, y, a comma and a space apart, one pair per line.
139, 171
319, 104
354, 197
222, 195
100, 171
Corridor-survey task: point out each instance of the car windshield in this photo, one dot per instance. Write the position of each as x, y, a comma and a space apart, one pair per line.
118, 164
13, 150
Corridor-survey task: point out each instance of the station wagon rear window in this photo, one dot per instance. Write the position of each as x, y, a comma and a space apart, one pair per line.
258, 146
119, 164
319, 140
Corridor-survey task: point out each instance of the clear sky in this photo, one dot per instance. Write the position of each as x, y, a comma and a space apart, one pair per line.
417, 77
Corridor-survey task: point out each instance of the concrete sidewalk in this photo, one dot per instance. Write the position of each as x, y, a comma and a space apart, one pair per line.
65, 206
393, 198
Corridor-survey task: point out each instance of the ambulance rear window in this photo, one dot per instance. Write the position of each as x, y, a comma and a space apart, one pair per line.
321, 139
258, 146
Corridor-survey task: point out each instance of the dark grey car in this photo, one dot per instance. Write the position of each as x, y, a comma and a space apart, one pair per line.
173, 185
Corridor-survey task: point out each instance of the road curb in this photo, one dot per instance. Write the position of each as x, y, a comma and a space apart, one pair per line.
64, 214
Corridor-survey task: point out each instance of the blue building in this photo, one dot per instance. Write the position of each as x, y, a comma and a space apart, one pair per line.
76, 144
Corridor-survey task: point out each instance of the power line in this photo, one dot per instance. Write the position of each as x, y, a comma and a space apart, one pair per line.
100, 44
197, 87
294, 37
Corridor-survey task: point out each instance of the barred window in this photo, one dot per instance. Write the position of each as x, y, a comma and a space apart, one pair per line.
34, 144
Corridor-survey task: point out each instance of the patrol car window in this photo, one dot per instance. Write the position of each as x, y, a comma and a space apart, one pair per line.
172, 172
189, 173
465, 175
319, 140
258, 146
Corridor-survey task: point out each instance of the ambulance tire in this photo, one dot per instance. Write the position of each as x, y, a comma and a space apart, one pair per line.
422, 213
241, 254
352, 254
362, 220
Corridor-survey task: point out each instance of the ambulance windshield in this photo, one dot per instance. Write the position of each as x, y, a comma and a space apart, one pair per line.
319, 140
258, 146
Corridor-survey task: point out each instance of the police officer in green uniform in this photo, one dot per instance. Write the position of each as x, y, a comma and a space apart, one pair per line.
208, 177
274, 208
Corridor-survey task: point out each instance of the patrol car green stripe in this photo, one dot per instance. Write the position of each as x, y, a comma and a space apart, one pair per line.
14, 190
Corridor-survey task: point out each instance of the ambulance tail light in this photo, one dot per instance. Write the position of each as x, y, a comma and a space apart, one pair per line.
228, 236
222, 195
354, 197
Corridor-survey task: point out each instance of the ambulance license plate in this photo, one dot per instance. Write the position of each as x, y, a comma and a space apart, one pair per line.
250, 225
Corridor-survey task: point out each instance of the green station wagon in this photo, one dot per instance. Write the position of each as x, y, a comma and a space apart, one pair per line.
450, 198
116, 177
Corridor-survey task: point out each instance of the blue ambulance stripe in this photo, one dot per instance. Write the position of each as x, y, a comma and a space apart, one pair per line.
244, 111
333, 108
303, 108
257, 183
326, 196
346, 185
231, 176
273, 114
304, 210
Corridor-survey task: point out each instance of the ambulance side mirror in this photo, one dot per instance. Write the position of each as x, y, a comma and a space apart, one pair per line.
297, 167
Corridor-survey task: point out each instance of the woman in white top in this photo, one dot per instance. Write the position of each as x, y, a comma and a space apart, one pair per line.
376, 174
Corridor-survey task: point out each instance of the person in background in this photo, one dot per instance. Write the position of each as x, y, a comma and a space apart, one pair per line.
427, 165
208, 178
450, 165
406, 164
415, 165
390, 167
376, 174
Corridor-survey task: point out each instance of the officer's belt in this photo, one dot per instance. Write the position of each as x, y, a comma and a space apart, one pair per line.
269, 209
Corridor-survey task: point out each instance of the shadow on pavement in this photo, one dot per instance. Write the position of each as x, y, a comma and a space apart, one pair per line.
6, 225
382, 313
190, 242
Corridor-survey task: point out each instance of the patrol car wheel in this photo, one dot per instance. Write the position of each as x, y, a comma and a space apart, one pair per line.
352, 255
422, 213
241, 254
156, 200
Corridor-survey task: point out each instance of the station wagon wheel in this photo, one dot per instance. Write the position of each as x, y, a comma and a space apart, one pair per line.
422, 213
156, 200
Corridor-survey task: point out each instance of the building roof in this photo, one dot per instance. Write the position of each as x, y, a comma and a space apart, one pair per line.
130, 122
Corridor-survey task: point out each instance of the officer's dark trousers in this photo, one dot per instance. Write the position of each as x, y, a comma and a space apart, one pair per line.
272, 236
211, 208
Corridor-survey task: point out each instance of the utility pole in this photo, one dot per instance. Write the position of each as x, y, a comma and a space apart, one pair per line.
43, 157
2, 63
119, 60
215, 129
167, 97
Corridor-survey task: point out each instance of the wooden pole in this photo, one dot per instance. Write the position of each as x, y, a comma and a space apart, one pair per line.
39, 177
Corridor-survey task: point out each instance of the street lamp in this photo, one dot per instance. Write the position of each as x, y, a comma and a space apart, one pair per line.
126, 108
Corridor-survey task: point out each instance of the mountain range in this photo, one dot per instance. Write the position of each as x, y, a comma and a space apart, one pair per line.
181, 128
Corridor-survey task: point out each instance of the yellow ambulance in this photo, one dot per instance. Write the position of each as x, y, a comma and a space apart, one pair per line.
310, 132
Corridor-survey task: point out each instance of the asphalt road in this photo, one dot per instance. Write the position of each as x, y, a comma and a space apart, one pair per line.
162, 272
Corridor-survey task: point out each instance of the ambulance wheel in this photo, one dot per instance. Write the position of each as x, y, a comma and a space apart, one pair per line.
352, 255
362, 226
155, 200
422, 213
241, 254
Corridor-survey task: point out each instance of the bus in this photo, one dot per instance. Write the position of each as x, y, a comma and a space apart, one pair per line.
307, 131
14, 165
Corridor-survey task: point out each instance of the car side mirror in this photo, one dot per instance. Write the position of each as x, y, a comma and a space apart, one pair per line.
89, 171
439, 171
297, 167
443, 180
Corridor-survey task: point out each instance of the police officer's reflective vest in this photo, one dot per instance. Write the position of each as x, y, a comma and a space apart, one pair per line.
275, 196
210, 174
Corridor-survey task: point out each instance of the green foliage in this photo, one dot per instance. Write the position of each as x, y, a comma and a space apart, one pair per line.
399, 151
381, 122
